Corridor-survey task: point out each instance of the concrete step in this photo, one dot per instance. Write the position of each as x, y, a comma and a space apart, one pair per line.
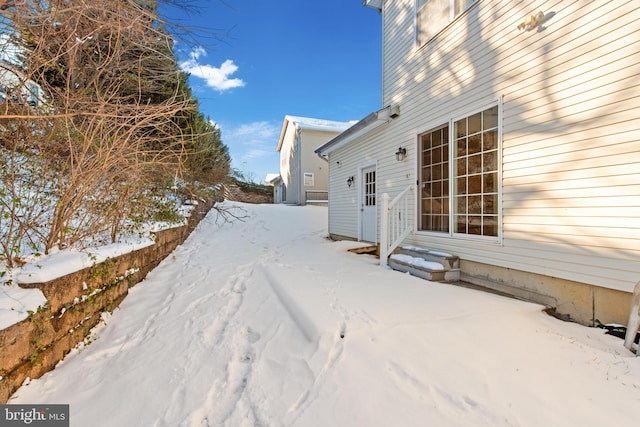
427, 264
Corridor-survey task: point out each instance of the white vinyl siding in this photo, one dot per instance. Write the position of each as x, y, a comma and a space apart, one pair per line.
344, 208
433, 15
570, 128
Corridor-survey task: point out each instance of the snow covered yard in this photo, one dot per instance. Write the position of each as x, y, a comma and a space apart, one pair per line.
267, 323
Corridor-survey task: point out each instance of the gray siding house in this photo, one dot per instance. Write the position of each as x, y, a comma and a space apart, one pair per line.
303, 175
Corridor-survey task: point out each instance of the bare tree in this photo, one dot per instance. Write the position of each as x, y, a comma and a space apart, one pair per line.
105, 129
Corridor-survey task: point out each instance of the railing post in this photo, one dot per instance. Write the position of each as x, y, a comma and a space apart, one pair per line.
384, 230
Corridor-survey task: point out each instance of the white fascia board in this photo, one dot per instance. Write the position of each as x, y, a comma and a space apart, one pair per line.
307, 123
283, 130
373, 4
361, 128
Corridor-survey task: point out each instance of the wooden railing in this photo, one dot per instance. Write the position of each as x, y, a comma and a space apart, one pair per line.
394, 222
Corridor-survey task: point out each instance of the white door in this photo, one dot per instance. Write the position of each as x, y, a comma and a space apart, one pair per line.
368, 209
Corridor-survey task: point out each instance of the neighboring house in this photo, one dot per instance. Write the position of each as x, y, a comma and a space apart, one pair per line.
514, 128
275, 180
14, 87
303, 174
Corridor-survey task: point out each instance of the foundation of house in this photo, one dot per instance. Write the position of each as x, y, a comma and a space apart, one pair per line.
574, 301
586, 304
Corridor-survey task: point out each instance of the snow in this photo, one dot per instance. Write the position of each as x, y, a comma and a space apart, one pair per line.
418, 262
319, 124
270, 178
434, 253
267, 322
60, 263
16, 302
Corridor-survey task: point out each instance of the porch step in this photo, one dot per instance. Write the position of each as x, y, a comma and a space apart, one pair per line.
371, 249
427, 264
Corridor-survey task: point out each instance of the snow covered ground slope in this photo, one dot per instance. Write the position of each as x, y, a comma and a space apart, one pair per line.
265, 322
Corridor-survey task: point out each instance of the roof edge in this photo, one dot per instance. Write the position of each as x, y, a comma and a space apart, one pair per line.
310, 124
362, 127
282, 133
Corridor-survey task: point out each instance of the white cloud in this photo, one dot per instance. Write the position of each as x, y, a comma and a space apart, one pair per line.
253, 147
216, 78
252, 140
258, 132
256, 154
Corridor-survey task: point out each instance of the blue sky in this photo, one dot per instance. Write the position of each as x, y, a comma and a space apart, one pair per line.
319, 59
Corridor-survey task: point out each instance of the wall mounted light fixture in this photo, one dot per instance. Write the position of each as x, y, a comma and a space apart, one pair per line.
534, 21
350, 181
401, 153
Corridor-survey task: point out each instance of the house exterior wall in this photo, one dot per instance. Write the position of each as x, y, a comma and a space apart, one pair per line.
311, 163
568, 96
278, 191
290, 166
345, 201
299, 161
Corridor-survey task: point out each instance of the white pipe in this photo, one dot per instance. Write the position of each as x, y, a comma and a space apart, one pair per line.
634, 318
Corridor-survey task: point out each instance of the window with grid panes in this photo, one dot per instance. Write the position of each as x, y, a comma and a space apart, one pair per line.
476, 173
469, 148
434, 194
370, 188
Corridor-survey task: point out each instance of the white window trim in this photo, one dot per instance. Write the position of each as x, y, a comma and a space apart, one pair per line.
304, 179
450, 121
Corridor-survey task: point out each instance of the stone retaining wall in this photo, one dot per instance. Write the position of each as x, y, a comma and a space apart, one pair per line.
34, 346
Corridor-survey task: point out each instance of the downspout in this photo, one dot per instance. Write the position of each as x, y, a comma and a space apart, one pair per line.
326, 159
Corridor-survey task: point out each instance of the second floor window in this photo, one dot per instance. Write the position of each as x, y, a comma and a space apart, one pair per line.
433, 15
308, 179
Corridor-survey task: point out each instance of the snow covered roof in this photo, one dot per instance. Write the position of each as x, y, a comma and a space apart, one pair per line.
271, 178
373, 4
318, 124
308, 123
